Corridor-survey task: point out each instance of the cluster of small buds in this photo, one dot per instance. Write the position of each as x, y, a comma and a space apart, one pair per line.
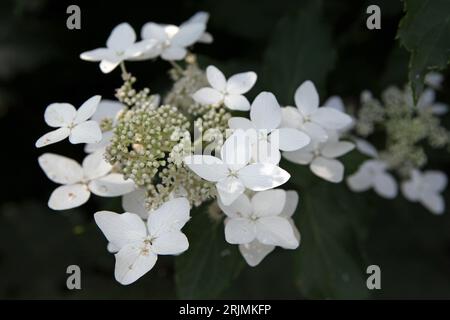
143, 138
131, 97
370, 113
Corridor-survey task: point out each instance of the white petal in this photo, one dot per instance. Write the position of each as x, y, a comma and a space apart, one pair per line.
296, 234
111, 248
268, 203
439, 109
241, 83
106, 66
360, 181
216, 78
132, 263
330, 118
86, 132
265, 112
199, 17
307, 98
329, 169
366, 148
435, 180
174, 242
207, 167
59, 114
236, 150
240, 123
208, 96
426, 98
135, 202
275, 231
385, 185
121, 37
289, 139
171, 216
107, 110
236, 102
96, 54
112, 185
106, 140
291, 118
139, 48
263, 176
173, 53
410, 190
121, 229
254, 252
335, 102
95, 165
315, 132
264, 151
239, 231
241, 207
290, 205
299, 156
68, 197
52, 137
433, 202
152, 30
337, 149
87, 109
229, 189
188, 34
60, 169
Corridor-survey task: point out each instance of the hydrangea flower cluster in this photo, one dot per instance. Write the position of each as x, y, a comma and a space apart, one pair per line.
166, 154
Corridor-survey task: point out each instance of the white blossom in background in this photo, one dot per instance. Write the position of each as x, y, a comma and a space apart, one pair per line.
434, 80
201, 17
427, 101
365, 147
262, 223
79, 181
120, 46
233, 173
321, 158
229, 92
311, 118
425, 188
171, 41
373, 174
263, 128
107, 111
139, 243
71, 123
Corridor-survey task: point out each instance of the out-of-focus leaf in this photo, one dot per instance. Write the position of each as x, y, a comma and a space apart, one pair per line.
300, 49
425, 32
210, 264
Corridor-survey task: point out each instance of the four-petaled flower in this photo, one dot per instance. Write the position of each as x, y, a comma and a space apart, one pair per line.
425, 187
139, 243
229, 92
71, 123
233, 173
260, 224
79, 181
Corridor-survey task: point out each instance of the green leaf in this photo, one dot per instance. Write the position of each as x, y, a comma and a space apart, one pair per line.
300, 49
425, 33
210, 264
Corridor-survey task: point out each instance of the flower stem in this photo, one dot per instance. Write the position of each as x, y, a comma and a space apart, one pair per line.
125, 74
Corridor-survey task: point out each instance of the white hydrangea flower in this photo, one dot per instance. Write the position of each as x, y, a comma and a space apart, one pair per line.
120, 46
107, 110
321, 157
229, 92
71, 123
311, 119
426, 187
260, 224
373, 174
171, 40
201, 17
233, 173
79, 181
139, 243
427, 101
263, 128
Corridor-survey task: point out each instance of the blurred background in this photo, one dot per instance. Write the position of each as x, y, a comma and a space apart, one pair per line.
285, 42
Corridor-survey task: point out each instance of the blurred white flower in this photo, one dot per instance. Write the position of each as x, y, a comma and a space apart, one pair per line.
120, 46
427, 101
71, 123
229, 92
434, 80
260, 224
79, 181
263, 129
321, 158
373, 174
311, 119
426, 187
365, 147
233, 173
139, 244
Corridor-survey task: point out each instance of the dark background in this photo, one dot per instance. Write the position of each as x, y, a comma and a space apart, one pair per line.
39, 64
